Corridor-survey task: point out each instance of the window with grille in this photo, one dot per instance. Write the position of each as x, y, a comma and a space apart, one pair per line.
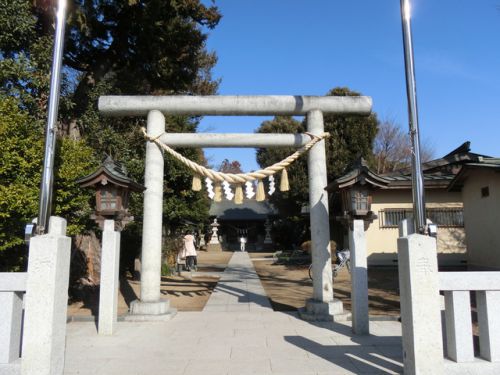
446, 217
443, 217
390, 218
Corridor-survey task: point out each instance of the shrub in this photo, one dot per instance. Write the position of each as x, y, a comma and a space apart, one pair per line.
306, 246
21, 161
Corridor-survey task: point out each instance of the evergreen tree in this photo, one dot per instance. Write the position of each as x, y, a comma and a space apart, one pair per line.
288, 203
146, 47
350, 138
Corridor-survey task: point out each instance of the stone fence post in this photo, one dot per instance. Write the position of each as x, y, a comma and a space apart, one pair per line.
359, 278
46, 301
420, 305
110, 267
12, 288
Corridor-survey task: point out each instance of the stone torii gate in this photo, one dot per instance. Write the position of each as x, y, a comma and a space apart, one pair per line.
322, 305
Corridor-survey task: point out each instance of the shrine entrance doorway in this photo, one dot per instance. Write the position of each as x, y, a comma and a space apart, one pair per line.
250, 219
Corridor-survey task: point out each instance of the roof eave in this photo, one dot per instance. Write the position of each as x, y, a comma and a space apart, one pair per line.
93, 179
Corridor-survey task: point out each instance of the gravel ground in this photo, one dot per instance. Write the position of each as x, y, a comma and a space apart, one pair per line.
288, 286
188, 292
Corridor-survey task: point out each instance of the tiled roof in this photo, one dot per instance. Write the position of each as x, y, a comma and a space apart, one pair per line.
364, 175
115, 171
455, 158
482, 163
437, 173
426, 177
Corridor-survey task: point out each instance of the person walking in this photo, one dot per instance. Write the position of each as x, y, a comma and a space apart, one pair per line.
190, 251
243, 241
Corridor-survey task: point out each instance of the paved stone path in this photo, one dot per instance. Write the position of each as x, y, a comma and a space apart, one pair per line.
239, 289
237, 333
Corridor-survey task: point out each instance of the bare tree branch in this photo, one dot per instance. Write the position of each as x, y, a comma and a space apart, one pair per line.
392, 148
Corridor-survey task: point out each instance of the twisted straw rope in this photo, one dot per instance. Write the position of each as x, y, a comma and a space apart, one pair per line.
237, 178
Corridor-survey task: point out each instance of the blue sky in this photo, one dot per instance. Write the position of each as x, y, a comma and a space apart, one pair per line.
298, 47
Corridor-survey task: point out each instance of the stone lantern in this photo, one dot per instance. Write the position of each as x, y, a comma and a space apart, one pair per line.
215, 228
356, 201
214, 244
112, 186
355, 191
357, 204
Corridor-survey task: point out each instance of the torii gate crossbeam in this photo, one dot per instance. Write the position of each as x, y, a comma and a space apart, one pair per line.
234, 105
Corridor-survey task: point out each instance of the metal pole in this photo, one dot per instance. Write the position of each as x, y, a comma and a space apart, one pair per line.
51, 129
411, 93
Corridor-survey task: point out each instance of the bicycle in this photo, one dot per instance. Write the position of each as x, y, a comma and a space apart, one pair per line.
343, 260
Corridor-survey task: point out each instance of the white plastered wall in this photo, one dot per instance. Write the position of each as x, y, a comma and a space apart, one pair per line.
382, 242
482, 218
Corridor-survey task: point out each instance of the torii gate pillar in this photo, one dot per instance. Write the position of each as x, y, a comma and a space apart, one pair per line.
151, 306
322, 307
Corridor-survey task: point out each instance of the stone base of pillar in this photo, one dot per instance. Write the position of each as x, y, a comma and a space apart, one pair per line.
214, 247
317, 311
150, 311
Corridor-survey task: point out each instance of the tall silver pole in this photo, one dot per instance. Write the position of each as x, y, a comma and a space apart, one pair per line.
411, 93
51, 129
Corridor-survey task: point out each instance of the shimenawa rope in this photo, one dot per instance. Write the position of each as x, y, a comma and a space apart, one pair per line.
238, 178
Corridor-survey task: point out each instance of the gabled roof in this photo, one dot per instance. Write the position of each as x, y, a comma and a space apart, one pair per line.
361, 174
448, 164
482, 163
437, 173
249, 210
113, 172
